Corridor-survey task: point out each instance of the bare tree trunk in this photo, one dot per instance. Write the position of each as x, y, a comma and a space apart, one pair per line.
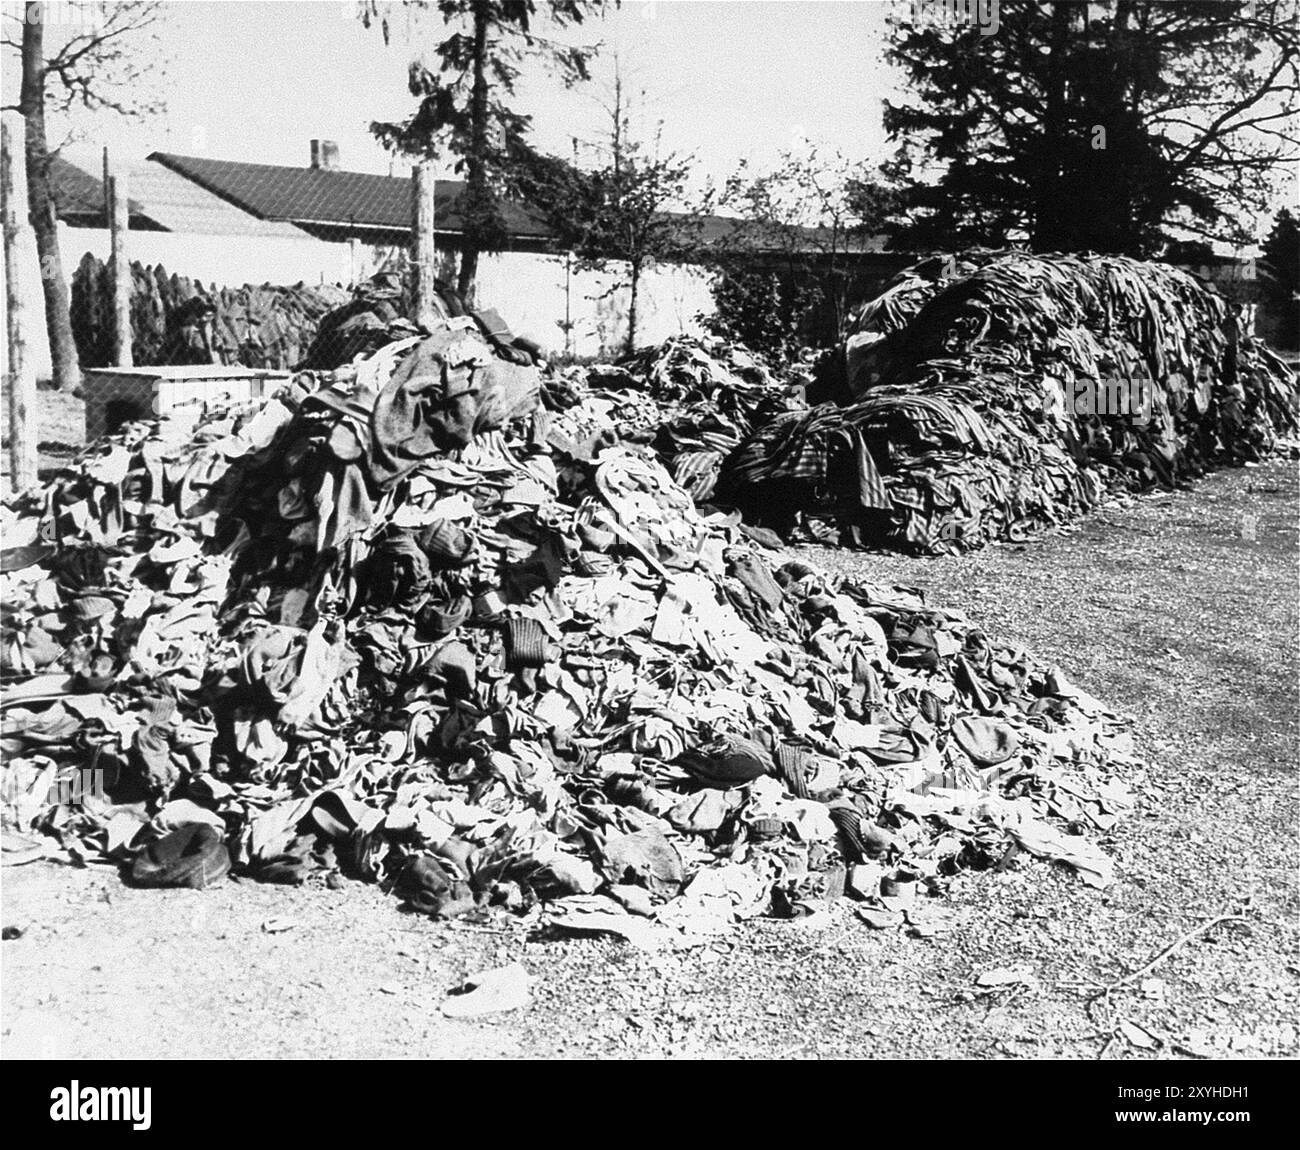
41, 208
635, 283
1047, 232
20, 380
568, 303
476, 174
833, 281
618, 126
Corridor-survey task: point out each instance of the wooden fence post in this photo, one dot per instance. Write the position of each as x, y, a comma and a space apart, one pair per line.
20, 370
422, 247
117, 209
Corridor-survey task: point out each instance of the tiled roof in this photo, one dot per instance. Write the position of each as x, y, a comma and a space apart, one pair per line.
79, 194
333, 198
180, 205
192, 195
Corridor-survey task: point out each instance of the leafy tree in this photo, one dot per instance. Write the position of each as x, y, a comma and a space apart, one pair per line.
617, 216
95, 58
630, 225
762, 308
463, 100
1281, 275
786, 261
1094, 125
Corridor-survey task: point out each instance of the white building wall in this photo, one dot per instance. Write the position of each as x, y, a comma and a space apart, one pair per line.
220, 261
529, 290
227, 261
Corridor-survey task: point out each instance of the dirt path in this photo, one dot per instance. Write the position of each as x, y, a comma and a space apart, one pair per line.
1162, 608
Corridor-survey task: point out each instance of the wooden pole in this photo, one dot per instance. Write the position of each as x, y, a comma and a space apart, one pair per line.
425, 309
20, 377
117, 208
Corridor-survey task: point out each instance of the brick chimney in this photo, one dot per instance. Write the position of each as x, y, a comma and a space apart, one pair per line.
324, 155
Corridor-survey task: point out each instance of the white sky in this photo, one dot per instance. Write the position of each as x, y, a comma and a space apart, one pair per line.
729, 79
257, 80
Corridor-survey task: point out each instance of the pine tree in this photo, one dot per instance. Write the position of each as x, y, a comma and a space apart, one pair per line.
463, 100
1280, 276
1095, 126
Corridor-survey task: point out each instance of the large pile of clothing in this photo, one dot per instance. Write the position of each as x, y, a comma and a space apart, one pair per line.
406, 622
376, 315
176, 320
981, 402
693, 399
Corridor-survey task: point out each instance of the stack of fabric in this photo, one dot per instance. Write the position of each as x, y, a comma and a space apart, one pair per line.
256, 326
376, 315
404, 623
706, 396
1005, 393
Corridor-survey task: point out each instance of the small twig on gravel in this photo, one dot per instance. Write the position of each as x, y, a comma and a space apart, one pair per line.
1173, 946
1110, 1041
1103, 993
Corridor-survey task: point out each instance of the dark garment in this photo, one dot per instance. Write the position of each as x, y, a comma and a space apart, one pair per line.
193, 856
432, 405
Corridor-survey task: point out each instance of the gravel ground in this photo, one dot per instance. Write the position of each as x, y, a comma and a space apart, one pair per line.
1180, 609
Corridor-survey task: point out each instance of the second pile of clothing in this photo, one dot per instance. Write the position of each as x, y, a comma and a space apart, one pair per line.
984, 403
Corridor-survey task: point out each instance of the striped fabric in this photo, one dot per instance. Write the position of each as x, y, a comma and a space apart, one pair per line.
969, 427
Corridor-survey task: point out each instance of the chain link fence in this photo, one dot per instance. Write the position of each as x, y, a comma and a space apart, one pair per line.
194, 346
